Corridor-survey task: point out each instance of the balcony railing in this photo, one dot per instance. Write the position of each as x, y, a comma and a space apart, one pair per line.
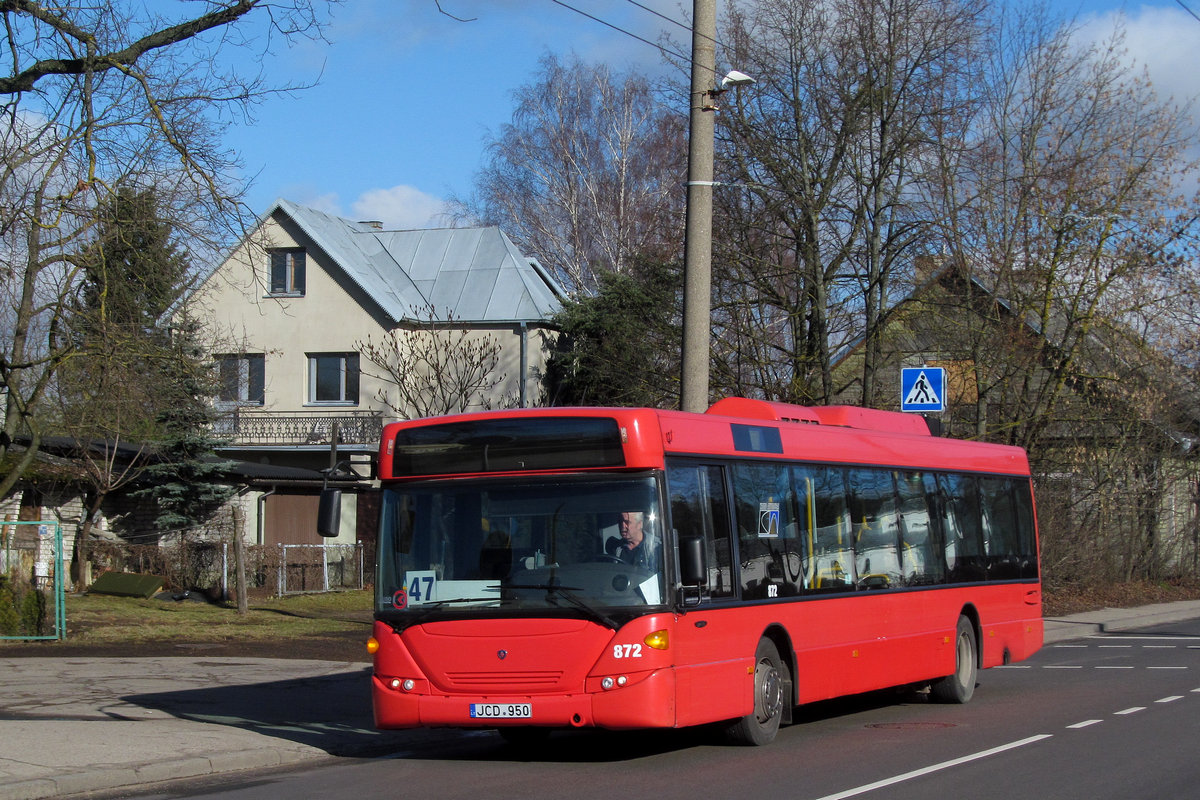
266, 428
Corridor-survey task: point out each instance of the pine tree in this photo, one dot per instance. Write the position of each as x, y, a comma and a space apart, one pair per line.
187, 482
621, 346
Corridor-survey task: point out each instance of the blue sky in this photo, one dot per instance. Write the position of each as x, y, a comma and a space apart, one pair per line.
405, 95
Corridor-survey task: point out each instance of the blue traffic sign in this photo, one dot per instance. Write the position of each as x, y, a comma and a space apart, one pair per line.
922, 389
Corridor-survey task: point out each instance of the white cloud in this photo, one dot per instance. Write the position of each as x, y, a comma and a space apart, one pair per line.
400, 207
329, 203
1163, 40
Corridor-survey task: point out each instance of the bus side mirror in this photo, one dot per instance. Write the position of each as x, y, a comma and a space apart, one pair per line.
693, 566
329, 512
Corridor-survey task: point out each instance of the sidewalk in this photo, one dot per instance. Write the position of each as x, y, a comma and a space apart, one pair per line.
71, 725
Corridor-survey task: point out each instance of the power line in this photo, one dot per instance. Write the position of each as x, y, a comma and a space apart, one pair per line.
619, 29
1185, 8
662, 16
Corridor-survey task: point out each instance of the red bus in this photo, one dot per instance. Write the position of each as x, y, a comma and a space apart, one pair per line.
639, 568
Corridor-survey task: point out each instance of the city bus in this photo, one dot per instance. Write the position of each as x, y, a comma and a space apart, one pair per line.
626, 568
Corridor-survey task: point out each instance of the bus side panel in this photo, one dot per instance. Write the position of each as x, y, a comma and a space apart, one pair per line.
840, 650
714, 667
1012, 623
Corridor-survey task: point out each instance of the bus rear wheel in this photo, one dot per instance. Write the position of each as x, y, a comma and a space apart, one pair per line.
770, 677
958, 686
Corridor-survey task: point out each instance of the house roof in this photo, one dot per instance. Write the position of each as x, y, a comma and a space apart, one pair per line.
476, 274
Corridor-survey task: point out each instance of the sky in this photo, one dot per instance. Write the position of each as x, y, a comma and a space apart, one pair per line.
405, 96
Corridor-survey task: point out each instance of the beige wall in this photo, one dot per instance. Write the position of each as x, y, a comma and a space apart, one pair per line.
241, 317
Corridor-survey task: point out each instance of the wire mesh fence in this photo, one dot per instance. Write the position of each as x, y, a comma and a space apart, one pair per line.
192, 564
32, 578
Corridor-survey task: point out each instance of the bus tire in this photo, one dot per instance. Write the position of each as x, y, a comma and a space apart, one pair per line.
958, 686
770, 677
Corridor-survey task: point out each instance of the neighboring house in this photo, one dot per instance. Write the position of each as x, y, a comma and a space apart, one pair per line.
293, 303
1116, 450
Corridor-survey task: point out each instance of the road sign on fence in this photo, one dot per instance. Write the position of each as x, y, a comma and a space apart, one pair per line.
922, 389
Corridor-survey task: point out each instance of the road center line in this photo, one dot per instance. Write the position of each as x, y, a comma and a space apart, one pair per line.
870, 787
1084, 724
1133, 710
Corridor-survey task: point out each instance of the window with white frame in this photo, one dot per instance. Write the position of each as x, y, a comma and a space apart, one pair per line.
243, 379
333, 378
287, 272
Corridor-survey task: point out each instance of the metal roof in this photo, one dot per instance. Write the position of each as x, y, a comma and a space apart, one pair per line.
476, 274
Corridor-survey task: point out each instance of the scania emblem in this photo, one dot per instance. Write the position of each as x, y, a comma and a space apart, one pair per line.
501, 654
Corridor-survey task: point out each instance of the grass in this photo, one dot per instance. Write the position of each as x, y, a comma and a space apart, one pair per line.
104, 620
99, 619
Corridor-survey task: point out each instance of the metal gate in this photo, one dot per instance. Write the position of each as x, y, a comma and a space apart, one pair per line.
33, 593
319, 567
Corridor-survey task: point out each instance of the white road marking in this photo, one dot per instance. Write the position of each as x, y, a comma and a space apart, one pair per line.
870, 787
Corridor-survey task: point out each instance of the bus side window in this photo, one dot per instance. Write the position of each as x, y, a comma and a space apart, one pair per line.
920, 557
961, 523
1002, 529
699, 508
876, 523
1027, 537
830, 566
770, 545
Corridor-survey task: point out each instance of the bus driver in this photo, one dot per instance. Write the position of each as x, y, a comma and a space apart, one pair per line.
636, 546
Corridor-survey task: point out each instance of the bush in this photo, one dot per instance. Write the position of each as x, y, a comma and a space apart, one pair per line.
10, 622
33, 613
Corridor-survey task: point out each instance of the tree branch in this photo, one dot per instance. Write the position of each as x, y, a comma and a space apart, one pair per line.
26, 79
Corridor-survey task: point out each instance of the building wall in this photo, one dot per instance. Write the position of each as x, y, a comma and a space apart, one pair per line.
333, 316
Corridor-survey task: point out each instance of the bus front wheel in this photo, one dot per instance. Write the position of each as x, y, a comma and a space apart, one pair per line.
958, 686
760, 726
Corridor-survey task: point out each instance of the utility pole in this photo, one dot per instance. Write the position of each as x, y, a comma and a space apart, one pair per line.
697, 259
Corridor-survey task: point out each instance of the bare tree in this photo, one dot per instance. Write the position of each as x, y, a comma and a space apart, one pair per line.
1066, 205
587, 175
829, 148
435, 367
101, 95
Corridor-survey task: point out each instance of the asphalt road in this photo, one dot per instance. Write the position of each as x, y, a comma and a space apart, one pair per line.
1109, 716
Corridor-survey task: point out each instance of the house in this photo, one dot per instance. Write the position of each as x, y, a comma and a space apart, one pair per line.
295, 308
1112, 425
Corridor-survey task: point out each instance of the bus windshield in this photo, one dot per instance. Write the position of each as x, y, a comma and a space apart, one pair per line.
511, 544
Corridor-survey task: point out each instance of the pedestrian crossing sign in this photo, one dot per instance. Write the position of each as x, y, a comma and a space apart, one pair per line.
922, 389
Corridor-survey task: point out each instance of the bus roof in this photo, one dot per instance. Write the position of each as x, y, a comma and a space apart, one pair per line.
574, 438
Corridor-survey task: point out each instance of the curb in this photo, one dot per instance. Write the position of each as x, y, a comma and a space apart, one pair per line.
137, 777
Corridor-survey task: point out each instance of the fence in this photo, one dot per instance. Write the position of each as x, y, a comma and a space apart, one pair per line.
208, 566
32, 581
309, 567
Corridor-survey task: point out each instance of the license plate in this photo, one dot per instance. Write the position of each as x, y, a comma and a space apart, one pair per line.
501, 710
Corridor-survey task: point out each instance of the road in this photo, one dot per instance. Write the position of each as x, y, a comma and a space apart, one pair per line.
1111, 716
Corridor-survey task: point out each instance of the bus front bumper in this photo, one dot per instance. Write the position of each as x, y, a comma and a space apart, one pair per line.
648, 703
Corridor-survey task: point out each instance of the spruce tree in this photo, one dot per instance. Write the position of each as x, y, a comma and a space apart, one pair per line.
187, 482
620, 346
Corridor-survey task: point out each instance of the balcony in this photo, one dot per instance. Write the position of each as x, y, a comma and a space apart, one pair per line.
267, 429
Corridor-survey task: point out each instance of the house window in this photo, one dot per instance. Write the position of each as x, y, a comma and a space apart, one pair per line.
287, 272
242, 378
333, 378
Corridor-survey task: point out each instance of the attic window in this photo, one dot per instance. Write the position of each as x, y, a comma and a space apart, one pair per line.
287, 272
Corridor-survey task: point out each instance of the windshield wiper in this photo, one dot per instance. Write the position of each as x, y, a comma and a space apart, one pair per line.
423, 611
568, 593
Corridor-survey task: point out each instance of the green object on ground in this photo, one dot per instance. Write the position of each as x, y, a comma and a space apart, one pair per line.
127, 584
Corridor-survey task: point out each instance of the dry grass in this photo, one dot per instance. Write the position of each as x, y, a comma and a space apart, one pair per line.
106, 621
1060, 601
100, 619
